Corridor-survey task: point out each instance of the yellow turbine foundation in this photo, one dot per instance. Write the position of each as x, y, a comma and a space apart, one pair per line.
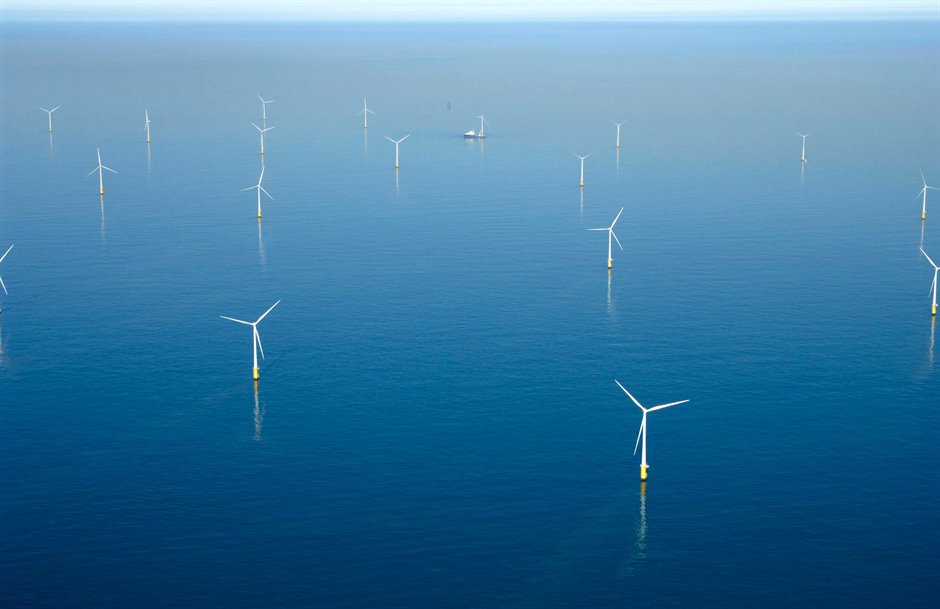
933, 309
643, 469
254, 373
610, 263
923, 215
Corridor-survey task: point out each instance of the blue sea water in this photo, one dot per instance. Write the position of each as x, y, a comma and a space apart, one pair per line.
437, 423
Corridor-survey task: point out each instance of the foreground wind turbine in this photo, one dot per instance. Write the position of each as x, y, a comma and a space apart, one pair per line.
260, 189
611, 235
255, 337
1, 260
804, 136
147, 124
923, 191
365, 112
49, 112
264, 103
261, 131
642, 433
397, 142
618, 134
98, 169
582, 165
933, 286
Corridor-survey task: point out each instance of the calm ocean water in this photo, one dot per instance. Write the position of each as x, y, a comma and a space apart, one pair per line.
437, 423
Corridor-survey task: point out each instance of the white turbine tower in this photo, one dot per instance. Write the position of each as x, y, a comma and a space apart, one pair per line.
255, 338
100, 175
260, 189
804, 136
618, 134
644, 466
147, 124
933, 286
261, 131
49, 112
397, 142
365, 112
923, 191
1, 260
483, 120
264, 103
582, 165
611, 236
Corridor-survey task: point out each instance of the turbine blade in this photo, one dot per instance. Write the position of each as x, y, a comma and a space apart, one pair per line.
598, 229
922, 178
44, 110
261, 98
638, 434
108, 168
614, 235
919, 193
247, 323
54, 109
615, 219
629, 395
390, 139
4, 286
257, 127
258, 338
92, 171
6, 252
404, 138
265, 192
268, 311
660, 407
369, 111
250, 188
934, 264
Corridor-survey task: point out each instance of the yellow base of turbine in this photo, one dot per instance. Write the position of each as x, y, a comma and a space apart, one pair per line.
643, 469
101, 191
933, 310
610, 263
923, 215
254, 373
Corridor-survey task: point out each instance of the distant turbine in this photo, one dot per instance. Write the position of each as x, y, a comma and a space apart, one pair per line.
49, 112
260, 189
923, 191
1, 278
255, 337
147, 124
264, 103
618, 134
261, 131
611, 235
933, 286
397, 142
642, 433
98, 169
804, 136
582, 165
365, 112
483, 120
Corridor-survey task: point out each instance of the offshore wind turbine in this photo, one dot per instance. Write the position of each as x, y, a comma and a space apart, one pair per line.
49, 112
582, 165
618, 134
255, 337
644, 466
1, 277
365, 112
264, 103
804, 136
933, 286
261, 131
611, 236
98, 169
147, 124
397, 142
260, 189
923, 191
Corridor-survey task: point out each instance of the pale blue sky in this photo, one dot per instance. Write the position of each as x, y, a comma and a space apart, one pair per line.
454, 10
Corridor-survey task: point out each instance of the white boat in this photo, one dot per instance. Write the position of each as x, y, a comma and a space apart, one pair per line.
476, 135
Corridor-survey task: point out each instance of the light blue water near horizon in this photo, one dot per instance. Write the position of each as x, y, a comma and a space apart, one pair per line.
437, 422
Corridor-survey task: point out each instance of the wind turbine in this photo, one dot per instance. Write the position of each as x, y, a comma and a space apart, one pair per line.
611, 235
933, 286
49, 112
618, 134
264, 103
1, 260
98, 169
147, 124
397, 142
255, 337
923, 191
260, 189
642, 433
482, 120
365, 112
804, 136
261, 131
582, 165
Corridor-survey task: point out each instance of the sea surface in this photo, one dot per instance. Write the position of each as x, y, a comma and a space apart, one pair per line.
437, 423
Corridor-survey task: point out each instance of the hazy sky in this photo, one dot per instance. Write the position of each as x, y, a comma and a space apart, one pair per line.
448, 10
